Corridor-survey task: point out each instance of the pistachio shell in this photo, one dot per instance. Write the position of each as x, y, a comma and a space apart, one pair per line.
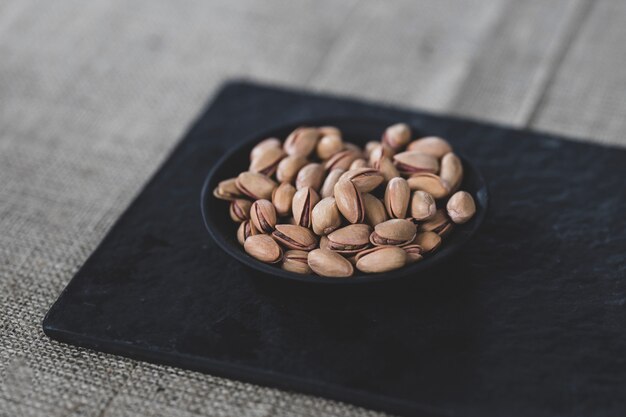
227, 190
440, 223
289, 166
329, 130
393, 232
378, 152
329, 264
412, 162
381, 259
324, 242
369, 147
328, 188
358, 163
349, 201
325, 217
451, 171
461, 207
263, 248
263, 215
342, 159
397, 136
365, 179
397, 197
387, 168
282, 196
265, 144
422, 205
301, 141
430, 183
296, 261
267, 161
255, 186
295, 237
240, 210
311, 175
430, 145
413, 253
350, 239
428, 241
246, 229
329, 145
303, 202
374, 210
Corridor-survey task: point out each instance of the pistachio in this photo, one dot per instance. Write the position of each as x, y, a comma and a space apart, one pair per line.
350, 239
296, 261
349, 201
267, 161
262, 146
412, 162
263, 248
381, 259
328, 188
263, 215
324, 242
461, 207
428, 241
329, 131
358, 163
240, 210
440, 223
393, 232
325, 217
430, 145
374, 210
380, 151
397, 197
329, 145
413, 253
303, 202
365, 179
422, 205
387, 168
430, 183
342, 159
397, 136
288, 168
227, 190
301, 141
295, 237
310, 175
349, 146
369, 147
451, 171
282, 197
329, 264
246, 229
255, 186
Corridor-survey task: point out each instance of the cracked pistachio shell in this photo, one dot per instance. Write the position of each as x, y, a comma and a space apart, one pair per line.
365, 179
440, 223
282, 196
393, 232
428, 241
397, 198
255, 186
296, 261
412, 162
349, 201
430, 145
422, 205
302, 141
329, 264
295, 237
329, 145
397, 136
263, 216
240, 210
378, 152
358, 163
430, 183
311, 175
246, 229
328, 188
413, 253
451, 171
227, 190
381, 259
262, 146
267, 161
342, 159
461, 207
374, 210
289, 166
325, 217
263, 248
387, 168
303, 202
350, 239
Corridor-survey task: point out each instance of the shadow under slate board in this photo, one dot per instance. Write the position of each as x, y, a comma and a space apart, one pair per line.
529, 319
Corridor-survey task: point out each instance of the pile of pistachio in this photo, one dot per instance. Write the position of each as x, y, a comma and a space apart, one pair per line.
319, 204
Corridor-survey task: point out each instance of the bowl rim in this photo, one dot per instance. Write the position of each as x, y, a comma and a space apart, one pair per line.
273, 270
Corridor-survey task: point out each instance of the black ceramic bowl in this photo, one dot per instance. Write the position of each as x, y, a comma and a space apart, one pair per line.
219, 224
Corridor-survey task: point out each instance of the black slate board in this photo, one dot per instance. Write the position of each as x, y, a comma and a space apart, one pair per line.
528, 320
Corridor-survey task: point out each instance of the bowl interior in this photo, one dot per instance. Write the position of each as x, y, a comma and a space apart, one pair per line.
223, 230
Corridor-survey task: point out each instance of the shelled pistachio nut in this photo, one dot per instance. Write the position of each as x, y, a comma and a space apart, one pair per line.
397, 198
263, 248
350, 239
422, 205
381, 259
240, 210
374, 210
349, 201
263, 216
302, 141
262, 146
255, 186
295, 237
282, 196
227, 190
329, 264
267, 161
303, 202
430, 183
289, 167
430, 145
328, 187
440, 223
311, 175
461, 207
296, 261
412, 162
428, 241
393, 232
325, 217
397, 136
328, 145
451, 171
342, 159
246, 229
365, 179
